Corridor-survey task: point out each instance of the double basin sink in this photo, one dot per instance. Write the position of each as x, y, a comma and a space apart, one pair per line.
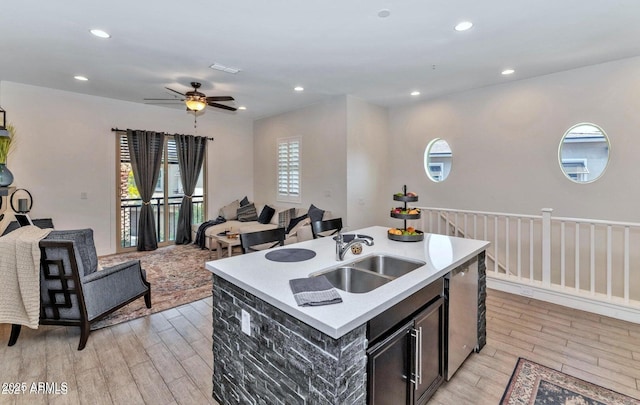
369, 273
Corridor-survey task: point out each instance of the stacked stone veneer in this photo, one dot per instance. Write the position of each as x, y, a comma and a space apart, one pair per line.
284, 361
482, 301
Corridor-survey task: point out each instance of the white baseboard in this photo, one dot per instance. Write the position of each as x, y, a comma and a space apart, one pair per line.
591, 303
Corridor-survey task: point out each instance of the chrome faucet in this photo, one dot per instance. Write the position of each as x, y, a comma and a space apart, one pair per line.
342, 247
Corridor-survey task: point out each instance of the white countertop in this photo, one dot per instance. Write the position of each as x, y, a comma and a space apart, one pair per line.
269, 280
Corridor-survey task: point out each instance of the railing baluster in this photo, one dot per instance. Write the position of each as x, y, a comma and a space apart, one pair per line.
506, 249
475, 226
485, 227
531, 250
577, 259
519, 248
455, 226
626, 264
465, 231
609, 270
546, 246
495, 244
562, 255
592, 260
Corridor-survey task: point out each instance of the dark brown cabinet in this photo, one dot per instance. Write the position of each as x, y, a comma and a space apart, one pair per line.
408, 366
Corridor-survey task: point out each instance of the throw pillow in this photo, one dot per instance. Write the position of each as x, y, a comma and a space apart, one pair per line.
266, 215
315, 213
247, 213
230, 211
296, 223
244, 201
284, 217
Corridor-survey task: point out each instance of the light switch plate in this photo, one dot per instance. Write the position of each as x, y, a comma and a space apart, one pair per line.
246, 322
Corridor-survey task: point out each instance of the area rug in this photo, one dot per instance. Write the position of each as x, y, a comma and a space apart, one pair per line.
177, 275
532, 383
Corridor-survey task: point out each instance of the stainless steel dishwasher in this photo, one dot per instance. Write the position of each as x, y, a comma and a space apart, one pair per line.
461, 288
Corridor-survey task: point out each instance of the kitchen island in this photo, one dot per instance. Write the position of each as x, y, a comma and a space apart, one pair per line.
267, 349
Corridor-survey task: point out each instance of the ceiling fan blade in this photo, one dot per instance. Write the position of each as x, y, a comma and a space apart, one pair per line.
174, 91
224, 107
163, 103
163, 99
220, 98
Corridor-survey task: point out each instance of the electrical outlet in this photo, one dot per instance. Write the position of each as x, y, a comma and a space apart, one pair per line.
246, 322
84, 195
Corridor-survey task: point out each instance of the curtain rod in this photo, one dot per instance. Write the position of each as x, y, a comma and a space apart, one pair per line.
124, 130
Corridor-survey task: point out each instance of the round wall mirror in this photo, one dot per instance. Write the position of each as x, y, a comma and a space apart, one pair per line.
584, 153
437, 160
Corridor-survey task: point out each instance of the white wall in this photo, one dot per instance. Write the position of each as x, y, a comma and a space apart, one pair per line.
367, 164
323, 129
66, 146
505, 144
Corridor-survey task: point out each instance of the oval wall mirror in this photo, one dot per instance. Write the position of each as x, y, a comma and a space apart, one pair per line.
437, 160
584, 153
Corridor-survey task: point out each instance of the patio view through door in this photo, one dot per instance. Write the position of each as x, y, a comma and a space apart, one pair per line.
166, 198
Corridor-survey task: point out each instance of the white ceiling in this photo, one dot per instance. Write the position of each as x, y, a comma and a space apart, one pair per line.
330, 47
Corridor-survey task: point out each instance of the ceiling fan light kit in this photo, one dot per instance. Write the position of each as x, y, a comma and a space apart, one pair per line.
195, 102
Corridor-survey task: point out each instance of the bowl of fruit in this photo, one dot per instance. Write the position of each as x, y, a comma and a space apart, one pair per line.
409, 197
405, 235
405, 213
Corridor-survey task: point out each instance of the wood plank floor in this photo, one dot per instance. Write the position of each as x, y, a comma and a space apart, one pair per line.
166, 358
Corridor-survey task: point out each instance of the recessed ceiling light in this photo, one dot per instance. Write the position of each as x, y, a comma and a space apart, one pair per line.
463, 26
298, 88
384, 13
415, 93
242, 107
507, 72
81, 78
100, 33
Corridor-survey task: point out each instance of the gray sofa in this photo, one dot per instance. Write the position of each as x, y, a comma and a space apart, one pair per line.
300, 232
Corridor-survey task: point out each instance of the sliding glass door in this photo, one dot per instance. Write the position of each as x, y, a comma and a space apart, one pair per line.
166, 198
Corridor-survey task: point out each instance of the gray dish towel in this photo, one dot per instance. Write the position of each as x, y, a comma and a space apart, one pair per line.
314, 291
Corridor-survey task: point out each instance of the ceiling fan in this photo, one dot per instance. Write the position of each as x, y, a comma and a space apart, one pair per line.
194, 100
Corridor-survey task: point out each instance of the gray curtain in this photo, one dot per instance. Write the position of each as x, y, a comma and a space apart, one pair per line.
190, 150
145, 149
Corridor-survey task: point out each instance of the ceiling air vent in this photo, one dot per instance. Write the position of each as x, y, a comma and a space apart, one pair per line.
224, 68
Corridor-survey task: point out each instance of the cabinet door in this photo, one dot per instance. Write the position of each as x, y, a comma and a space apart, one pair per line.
388, 366
429, 345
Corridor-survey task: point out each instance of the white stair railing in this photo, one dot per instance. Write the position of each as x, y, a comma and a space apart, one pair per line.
581, 263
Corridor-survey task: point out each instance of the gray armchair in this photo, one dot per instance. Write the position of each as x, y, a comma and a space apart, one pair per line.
72, 290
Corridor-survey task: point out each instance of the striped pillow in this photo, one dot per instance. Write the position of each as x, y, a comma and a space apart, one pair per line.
247, 213
285, 216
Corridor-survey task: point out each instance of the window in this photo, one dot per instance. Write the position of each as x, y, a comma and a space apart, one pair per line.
437, 160
583, 153
576, 169
289, 170
435, 170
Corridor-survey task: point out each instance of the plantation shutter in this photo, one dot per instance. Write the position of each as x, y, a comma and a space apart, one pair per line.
289, 170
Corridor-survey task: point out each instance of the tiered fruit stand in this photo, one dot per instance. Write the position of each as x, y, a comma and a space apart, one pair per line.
406, 236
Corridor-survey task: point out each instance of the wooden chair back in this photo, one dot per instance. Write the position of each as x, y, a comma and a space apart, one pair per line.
250, 239
318, 227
